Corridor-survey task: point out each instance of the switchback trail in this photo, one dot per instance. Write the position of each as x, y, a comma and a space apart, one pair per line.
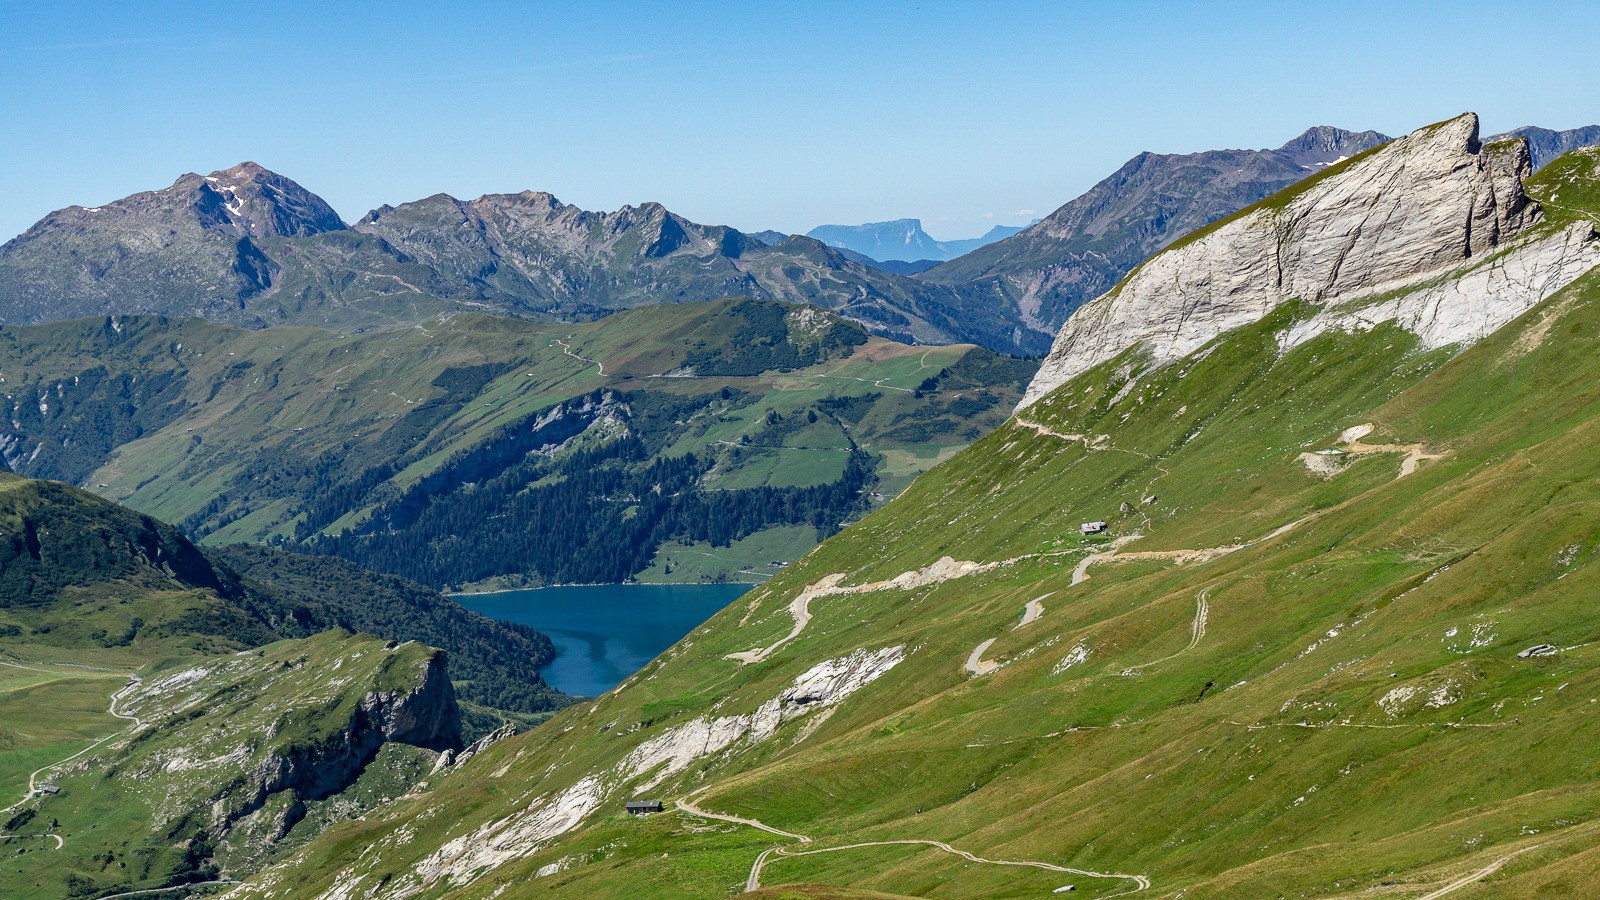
688, 805
976, 664
1207, 554
947, 568
1033, 609
566, 347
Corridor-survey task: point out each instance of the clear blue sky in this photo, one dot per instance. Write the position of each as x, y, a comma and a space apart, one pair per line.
752, 114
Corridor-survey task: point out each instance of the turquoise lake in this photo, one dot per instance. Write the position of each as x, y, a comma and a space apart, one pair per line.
604, 633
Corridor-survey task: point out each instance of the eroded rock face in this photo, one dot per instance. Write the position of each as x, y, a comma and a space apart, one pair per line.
466, 857
240, 744
823, 685
1418, 208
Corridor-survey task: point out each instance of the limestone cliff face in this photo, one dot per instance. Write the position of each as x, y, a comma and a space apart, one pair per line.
1436, 202
235, 748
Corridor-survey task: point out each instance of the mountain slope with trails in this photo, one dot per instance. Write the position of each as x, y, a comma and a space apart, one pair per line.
1278, 671
784, 419
83, 577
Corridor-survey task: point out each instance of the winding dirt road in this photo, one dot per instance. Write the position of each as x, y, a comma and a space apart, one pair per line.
1033, 609
33, 779
1197, 631
1477, 876
688, 805
976, 664
566, 347
753, 881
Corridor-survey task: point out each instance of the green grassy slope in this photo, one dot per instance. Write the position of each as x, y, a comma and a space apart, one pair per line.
86, 583
215, 761
1290, 683
291, 433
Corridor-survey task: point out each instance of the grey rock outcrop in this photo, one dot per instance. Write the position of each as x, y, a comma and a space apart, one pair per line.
1079, 251
1437, 202
196, 247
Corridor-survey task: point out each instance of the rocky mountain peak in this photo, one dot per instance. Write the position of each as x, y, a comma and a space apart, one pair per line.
252, 200
1427, 205
1323, 145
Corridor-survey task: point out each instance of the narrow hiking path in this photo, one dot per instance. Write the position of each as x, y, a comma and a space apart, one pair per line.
566, 347
1474, 877
164, 890
1197, 631
879, 383
943, 569
1091, 443
753, 881
1206, 554
688, 805
800, 610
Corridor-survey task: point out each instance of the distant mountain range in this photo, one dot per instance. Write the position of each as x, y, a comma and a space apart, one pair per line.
902, 240
250, 247
1545, 145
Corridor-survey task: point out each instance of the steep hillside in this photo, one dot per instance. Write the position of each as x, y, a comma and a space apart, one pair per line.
83, 578
1278, 672
1082, 249
625, 430
219, 762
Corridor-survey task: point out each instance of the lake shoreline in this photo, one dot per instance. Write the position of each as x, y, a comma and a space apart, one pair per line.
604, 633
598, 584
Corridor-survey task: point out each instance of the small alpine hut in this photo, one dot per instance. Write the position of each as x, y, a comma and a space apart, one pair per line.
643, 807
1092, 527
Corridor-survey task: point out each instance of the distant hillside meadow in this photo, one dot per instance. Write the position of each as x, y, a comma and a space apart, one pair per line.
681, 442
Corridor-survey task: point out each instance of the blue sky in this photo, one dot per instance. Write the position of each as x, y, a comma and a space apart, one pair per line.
757, 115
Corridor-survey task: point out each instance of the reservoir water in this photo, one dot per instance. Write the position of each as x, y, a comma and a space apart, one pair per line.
604, 633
